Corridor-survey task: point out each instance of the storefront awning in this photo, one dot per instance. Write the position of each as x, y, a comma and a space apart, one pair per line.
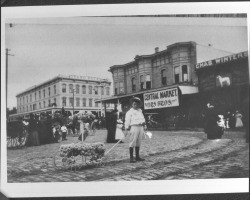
185, 89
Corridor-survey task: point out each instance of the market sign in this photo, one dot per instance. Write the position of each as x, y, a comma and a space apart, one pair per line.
161, 99
221, 60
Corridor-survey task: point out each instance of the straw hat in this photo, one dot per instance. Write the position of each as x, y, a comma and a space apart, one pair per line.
137, 100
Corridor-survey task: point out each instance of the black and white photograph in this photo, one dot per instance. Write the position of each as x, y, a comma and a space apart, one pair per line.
124, 99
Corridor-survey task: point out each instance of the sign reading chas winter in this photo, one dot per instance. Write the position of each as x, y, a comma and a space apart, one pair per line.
161, 99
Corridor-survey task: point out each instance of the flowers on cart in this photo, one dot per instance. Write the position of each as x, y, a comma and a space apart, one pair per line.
85, 116
94, 151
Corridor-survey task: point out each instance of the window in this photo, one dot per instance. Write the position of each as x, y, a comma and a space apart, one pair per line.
71, 101
96, 104
54, 89
84, 89
70, 88
78, 102
34, 106
107, 91
107, 105
49, 103
133, 85
96, 90
164, 77
35, 96
30, 97
27, 99
64, 101
27, 108
90, 89
40, 106
55, 101
141, 82
77, 89
84, 102
148, 82
90, 102
102, 90
30, 107
44, 93
49, 90
176, 74
44, 105
116, 88
184, 73
64, 88
121, 87
23, 100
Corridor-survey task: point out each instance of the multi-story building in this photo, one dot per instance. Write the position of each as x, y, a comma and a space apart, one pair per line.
74, 93
149, 77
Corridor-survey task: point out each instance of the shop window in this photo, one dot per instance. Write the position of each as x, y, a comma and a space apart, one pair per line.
184, 73
177, 74
84, 89
84, 102
148, 82
142, 82
223, 80
77, 89
64, 88
64, 101
164, 77
121, 87
133, 85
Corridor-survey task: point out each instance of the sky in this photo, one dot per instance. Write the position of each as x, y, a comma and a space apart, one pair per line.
46, 47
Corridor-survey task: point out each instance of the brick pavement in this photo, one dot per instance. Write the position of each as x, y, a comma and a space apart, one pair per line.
175, 155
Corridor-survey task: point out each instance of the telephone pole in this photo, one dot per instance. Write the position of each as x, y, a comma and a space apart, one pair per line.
7, 55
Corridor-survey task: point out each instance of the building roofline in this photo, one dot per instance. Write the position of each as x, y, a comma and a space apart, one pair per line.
152, 55
70, 77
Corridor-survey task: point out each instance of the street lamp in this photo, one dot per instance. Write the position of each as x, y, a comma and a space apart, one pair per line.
73, 103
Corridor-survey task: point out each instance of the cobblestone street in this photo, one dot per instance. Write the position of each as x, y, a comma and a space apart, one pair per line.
169, 155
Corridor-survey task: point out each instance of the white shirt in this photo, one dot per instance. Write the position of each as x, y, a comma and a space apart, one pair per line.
134, 117
63, 129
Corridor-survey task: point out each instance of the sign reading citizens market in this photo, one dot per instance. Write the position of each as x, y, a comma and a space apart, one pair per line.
221, 60
161, 99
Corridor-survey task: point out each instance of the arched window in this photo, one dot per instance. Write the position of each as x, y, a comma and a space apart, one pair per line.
77, 89
133, 84
63, 88
184, 73
70, 88
90, 89
148, 82
141, 82
164, 77
107, 91
84, 89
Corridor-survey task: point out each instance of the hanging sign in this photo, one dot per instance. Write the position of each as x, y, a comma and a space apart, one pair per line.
161, 99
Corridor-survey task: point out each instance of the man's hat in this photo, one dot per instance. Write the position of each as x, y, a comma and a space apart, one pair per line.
137, 100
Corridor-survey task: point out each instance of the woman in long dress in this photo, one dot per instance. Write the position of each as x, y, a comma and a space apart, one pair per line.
238, 118
119, 135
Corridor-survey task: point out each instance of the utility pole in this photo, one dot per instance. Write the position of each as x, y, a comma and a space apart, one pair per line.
7, 55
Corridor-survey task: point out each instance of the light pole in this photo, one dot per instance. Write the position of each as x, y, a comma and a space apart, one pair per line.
73, 103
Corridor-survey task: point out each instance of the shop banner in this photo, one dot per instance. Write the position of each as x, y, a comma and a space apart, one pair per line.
161, 99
